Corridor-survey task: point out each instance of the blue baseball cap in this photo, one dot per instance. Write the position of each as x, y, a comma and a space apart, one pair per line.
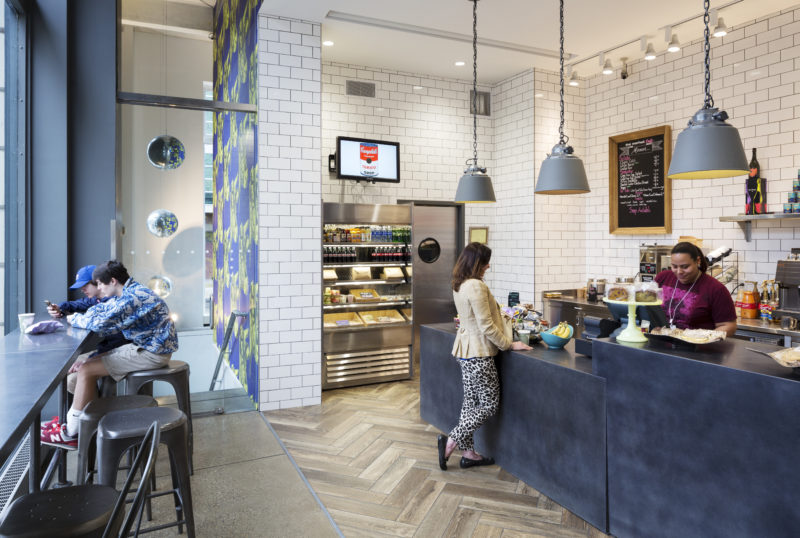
83, 277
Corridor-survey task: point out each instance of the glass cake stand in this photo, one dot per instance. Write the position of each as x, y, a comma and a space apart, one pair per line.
632, 333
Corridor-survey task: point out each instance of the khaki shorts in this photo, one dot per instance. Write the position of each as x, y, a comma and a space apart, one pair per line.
122, 360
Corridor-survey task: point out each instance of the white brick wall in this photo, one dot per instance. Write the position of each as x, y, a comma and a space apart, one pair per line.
539, 242
289, 97
432, 125
511, 235
560, 220
755, 78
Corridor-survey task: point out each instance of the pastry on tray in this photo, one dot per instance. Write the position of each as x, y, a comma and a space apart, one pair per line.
694, 336
617, 293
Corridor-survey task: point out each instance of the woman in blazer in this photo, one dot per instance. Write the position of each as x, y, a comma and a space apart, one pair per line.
480, 335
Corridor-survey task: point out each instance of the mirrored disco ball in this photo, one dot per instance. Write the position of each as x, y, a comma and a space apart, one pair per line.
162, 223
161, 285
166, 152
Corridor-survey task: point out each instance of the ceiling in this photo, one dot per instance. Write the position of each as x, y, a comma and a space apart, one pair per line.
428, 36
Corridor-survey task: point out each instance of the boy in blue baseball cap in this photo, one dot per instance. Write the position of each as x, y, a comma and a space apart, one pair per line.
83, 282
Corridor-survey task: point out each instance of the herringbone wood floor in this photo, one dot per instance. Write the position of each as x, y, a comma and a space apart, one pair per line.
373, 463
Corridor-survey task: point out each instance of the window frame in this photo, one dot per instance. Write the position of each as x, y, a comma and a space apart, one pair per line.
17, 163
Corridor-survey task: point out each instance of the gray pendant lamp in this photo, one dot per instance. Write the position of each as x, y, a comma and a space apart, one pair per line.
562, 172
475, 186
708, 148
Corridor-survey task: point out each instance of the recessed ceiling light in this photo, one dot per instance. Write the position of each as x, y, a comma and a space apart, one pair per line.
327, 43
459, 64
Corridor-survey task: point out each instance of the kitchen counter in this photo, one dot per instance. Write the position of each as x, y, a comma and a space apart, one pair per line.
700, 442
743, 324
551, 426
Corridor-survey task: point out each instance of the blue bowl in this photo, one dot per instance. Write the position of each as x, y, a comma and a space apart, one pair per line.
556, 342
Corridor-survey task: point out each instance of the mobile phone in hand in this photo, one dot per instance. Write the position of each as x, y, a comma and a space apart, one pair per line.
47, 303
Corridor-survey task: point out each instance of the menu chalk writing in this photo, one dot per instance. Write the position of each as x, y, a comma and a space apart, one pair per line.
639, 191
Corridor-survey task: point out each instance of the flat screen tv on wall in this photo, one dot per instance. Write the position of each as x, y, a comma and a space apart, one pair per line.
370, 160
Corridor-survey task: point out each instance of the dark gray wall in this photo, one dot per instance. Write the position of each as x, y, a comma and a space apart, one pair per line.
73, 141
48, 247
91, 130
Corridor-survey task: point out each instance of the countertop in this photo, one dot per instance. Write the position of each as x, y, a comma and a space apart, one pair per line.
31, 367
564, 357
744, 324
731, 353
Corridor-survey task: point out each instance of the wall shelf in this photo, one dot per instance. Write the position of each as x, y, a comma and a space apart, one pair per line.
746, 221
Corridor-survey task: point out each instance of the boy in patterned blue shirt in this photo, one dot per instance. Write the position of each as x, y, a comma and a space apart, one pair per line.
141, 316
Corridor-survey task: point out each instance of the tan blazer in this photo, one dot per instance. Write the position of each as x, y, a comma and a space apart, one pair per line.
482, 331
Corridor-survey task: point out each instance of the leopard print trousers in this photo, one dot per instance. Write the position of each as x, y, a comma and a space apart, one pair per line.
481, 398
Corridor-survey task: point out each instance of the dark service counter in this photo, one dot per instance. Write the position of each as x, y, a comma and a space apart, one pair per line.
550, 429
640, 441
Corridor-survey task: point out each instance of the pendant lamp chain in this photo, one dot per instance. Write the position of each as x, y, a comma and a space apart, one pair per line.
561, 138
709, 101
475, 81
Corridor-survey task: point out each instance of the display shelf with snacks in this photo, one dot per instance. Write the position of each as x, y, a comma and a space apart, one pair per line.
366, 287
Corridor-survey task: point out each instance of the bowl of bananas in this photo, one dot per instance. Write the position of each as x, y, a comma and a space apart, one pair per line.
558, 336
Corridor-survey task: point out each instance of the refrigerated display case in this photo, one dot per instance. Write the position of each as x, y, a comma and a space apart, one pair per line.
367, 295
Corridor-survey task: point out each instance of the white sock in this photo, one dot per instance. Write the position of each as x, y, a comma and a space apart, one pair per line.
73, 420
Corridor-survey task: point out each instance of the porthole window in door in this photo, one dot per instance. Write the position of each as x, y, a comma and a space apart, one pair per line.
429, 250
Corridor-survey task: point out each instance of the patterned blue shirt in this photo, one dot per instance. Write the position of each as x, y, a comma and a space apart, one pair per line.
139, 314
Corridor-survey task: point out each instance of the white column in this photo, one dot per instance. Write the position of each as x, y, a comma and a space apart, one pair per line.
289, 212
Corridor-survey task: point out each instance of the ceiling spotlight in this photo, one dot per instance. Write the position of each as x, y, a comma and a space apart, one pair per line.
674, 44
416, 88
650, 53
573, 79
721, 29
459, 64
607, 69
327, 43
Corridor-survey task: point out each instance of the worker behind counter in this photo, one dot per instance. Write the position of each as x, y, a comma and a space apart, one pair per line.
691, 298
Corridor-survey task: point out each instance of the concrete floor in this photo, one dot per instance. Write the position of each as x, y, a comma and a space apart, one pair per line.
244, 484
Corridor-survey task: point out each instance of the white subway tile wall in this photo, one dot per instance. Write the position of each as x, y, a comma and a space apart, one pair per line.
560, 220
755, 77
289, 96
539, 242
432, 124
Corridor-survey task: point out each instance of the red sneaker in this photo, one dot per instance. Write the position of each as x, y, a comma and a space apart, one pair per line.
57, 437
50, 423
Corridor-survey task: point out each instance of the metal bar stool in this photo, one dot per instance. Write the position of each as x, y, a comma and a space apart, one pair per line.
120, 430
90, 417
87, 511
176, 373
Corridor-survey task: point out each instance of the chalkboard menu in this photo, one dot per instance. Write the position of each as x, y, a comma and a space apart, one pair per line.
640, 195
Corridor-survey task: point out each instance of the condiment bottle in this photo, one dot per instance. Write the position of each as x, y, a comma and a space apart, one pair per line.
750, 302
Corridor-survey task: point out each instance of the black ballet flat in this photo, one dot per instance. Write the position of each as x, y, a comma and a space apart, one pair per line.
467, 463
442, 442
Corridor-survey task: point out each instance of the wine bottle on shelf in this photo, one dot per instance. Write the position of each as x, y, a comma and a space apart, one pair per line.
755, 168
756, 194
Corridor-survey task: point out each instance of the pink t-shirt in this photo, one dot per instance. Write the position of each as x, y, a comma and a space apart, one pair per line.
708, 303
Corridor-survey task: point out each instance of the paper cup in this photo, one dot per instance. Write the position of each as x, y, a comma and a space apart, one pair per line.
25, 321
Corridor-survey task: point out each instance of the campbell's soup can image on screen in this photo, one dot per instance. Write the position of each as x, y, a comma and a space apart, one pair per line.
369, 159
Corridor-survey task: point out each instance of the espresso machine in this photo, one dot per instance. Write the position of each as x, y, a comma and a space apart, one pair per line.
787, 274
652, 260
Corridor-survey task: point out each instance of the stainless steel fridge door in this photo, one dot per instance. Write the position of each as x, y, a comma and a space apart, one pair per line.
438, 238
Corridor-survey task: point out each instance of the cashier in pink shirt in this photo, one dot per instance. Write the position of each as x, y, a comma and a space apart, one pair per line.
691, 298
